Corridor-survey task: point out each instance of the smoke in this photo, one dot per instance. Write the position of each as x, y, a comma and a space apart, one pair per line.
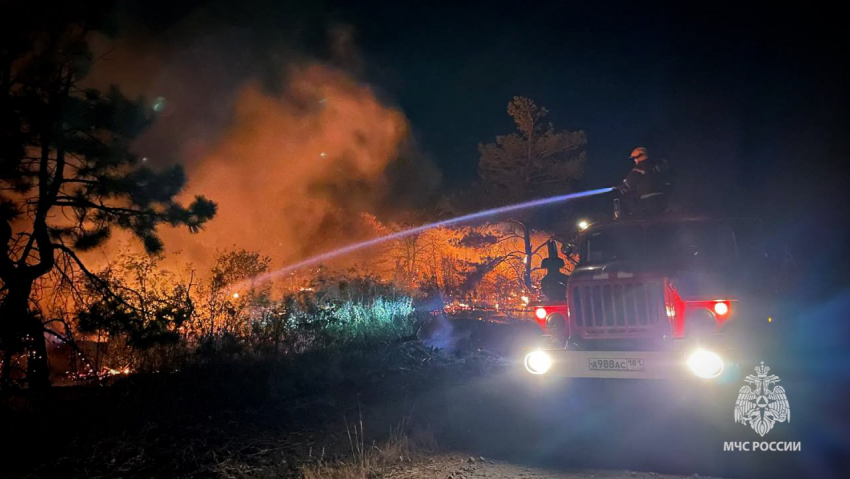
293, 171
295, 150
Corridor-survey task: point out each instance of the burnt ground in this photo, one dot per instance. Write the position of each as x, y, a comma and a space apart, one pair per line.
407, 410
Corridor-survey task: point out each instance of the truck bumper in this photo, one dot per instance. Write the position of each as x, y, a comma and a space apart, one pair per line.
613, 364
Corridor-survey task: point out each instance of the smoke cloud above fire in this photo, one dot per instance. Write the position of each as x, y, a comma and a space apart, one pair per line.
297, 151
293, 171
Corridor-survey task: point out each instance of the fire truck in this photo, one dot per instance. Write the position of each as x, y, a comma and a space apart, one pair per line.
653, 299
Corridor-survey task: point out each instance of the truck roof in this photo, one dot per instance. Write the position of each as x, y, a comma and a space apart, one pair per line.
650, 221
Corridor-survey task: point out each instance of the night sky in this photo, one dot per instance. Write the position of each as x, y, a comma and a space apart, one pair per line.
750, 104
742, 94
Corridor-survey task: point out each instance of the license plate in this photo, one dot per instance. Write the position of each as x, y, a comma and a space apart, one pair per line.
618, 364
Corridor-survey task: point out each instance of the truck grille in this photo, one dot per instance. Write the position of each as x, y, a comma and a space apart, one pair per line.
623, 307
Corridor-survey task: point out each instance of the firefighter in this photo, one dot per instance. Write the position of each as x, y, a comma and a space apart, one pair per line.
646, 188
554, 284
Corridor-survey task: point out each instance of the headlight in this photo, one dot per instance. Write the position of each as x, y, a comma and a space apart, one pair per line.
538, 362
705, 364
540, 313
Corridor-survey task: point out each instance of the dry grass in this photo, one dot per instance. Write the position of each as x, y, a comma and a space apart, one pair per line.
229, 420
368, 461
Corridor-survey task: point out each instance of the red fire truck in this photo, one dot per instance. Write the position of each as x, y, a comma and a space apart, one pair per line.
652, 298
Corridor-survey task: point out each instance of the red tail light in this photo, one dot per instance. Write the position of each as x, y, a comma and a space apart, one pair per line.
540, 313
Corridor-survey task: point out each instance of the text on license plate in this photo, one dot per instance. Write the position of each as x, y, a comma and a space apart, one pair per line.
618, 364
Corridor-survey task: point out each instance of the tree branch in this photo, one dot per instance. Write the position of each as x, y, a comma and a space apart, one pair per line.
106, 287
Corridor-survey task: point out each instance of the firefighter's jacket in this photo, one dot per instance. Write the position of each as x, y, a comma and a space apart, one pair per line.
646, 180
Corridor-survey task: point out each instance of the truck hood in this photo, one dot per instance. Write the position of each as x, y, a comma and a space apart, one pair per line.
617, 269
691, 284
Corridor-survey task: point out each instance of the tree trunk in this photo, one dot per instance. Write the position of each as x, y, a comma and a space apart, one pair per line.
23, 331
38, 369
526, 238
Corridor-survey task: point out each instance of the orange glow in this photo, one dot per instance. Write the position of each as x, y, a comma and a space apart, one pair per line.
291, 174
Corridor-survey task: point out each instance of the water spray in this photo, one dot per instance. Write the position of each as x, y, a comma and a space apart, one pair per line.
412, 231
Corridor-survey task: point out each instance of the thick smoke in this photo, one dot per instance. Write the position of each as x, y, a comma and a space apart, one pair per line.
293, 150
294, 170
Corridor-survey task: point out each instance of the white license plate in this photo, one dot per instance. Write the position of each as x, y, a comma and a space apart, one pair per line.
617, 364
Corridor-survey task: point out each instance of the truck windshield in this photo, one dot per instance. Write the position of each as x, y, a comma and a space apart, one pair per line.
690, 242
612, 244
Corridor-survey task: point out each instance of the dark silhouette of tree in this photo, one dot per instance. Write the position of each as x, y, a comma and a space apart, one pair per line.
145, 308
535, 162
226, 307
67, 175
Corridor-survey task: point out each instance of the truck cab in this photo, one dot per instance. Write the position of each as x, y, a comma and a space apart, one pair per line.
648, 298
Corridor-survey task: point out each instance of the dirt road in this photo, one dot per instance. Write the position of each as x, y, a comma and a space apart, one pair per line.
458, 467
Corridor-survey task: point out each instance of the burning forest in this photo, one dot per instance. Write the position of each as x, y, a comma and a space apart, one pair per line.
291, 171
290, 239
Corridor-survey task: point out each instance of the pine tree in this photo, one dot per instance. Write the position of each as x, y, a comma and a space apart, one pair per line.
67, 174
534, 162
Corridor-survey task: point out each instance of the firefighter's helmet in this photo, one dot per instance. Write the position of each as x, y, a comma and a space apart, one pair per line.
639, 154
